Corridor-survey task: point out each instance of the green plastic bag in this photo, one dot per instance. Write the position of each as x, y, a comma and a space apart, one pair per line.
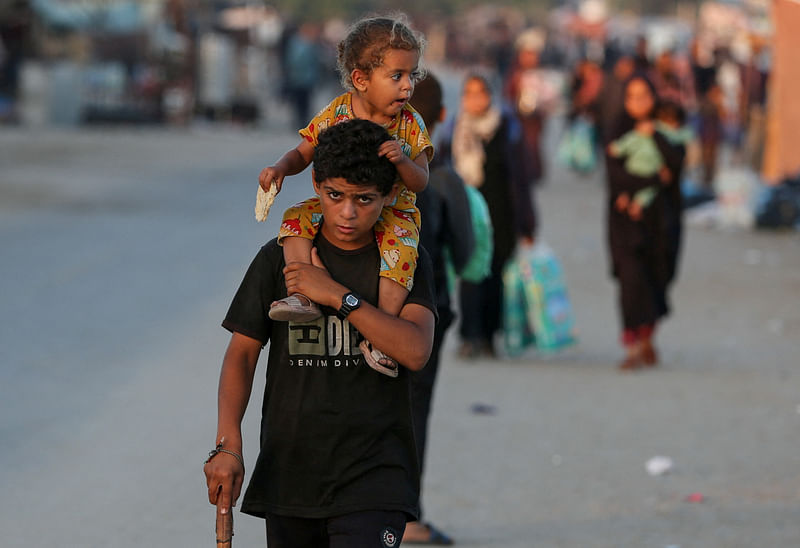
479, 264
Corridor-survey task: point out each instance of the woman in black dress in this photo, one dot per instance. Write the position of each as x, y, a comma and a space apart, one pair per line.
485, 145
638, 241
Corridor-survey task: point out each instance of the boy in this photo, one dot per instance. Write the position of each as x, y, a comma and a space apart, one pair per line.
338, 463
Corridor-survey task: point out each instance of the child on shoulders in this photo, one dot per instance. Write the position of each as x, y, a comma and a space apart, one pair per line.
379, 64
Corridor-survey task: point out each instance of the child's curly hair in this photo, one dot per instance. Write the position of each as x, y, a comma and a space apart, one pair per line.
350, 150
368, 40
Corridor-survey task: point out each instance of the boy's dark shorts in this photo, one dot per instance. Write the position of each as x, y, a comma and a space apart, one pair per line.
372, 529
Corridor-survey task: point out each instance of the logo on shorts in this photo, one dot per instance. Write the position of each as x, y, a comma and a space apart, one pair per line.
389, 538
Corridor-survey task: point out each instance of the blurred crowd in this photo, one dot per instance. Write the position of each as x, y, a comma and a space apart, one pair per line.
721, 96
180, 61
165, 60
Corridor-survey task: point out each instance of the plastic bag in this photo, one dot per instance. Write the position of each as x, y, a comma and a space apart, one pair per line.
577, 147
479, 264
536, 307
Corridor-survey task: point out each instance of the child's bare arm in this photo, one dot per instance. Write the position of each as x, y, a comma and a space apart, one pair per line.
413, 173
291, 163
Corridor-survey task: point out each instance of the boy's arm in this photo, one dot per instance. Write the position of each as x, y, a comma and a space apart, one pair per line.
291, 163
413, 173
224, 473
409, 336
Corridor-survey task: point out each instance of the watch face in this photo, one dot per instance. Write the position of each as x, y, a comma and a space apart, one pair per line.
351, 300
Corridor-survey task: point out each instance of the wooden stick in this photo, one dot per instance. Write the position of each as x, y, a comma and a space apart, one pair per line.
224, 527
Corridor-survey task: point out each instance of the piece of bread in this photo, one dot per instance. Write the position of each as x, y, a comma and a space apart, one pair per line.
264, 201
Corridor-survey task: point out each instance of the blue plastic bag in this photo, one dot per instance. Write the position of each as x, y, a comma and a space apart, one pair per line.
577, 147
536, 306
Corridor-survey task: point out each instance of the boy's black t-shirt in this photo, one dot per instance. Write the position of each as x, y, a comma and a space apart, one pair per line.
336, 436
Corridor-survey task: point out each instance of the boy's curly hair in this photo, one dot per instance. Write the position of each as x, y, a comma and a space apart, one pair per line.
349, 150
368, 40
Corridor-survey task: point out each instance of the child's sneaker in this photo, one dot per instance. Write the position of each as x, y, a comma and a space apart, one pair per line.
294, 308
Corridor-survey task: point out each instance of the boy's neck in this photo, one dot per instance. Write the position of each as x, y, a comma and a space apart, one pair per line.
331, 240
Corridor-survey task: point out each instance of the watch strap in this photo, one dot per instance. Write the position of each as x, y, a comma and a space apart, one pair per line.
346, 307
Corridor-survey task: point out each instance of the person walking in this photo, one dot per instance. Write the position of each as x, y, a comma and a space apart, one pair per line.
485, 147
302, 62
531, 97
445, 207
640, 162
337, 465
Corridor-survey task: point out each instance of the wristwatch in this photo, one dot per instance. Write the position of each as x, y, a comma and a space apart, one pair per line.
350, 302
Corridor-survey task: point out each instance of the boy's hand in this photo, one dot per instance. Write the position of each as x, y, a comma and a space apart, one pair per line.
269, 175
313, 281
224, 477
392, 150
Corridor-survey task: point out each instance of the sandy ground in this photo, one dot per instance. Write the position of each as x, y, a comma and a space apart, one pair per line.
121, 250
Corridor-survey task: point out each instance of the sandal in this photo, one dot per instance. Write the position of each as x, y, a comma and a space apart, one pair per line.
434, 537
379, 361
294, 308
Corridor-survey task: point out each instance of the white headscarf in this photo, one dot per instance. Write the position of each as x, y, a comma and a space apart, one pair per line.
469, 136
